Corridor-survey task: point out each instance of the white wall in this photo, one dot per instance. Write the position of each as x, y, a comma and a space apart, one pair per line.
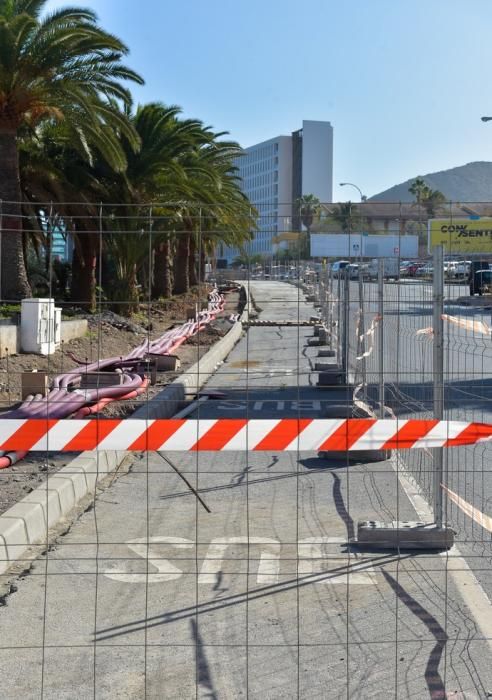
343, 245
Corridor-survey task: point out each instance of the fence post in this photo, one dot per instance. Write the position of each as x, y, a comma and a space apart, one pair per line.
362, 338
345, 332
330, 307
438, 377
381, 336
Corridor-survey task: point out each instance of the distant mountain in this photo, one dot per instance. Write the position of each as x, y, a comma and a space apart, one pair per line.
467, 183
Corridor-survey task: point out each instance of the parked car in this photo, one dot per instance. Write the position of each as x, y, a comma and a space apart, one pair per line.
462, 269
425, 270
480, 277
338, 266
353, 271
409, 269
450, 268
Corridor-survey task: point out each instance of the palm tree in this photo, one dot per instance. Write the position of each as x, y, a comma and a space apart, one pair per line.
428, 200
217, 208
419, 189
343, 215
69, 178
309, 208
154, 174
62, 67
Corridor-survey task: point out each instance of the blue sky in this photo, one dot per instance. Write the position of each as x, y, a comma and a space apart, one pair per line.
404, 83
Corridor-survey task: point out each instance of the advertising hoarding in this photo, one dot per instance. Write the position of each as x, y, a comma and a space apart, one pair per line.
464, 235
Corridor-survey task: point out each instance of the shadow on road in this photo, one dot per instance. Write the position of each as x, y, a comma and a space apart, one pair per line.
435, 684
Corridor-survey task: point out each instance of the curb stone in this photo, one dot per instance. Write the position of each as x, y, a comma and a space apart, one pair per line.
28, 522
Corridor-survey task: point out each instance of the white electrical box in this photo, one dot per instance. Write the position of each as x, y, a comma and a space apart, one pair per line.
40, 326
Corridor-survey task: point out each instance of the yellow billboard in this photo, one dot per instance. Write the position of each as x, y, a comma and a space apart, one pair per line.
467, 235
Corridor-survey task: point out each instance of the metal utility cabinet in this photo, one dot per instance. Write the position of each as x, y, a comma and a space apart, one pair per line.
40, 326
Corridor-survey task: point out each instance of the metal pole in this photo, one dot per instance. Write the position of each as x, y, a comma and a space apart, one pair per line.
362, 330
438, 375
381, 336
1, 233
330, 307
339, 318
345, 336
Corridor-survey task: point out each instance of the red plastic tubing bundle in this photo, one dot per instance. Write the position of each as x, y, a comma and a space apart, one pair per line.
66, 399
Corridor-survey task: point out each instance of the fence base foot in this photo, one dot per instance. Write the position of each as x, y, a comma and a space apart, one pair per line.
403, 535
326, 353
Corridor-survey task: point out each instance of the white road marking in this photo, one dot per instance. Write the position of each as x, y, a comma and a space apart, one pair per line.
270, 405
166, 570
465, 580
484, 520
312, 560
268, 568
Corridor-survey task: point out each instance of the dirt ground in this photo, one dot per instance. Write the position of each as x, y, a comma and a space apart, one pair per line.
104, 339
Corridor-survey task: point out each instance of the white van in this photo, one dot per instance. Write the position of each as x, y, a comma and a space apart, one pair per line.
338, 266
391, 269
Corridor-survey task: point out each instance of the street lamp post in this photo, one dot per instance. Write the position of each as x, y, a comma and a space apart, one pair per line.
351, 184
486, 119
362, 199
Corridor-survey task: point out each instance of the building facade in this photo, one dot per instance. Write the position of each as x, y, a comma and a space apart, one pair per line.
275, 173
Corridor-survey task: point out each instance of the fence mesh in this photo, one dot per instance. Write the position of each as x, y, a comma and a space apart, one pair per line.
167, 574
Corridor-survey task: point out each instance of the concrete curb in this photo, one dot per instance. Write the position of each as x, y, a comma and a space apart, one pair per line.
28, 522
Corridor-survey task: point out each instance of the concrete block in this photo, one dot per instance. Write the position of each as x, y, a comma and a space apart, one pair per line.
325, 366
99, 380
165, 363
4, 560
9, 340
89, 473
32, 514
34, 383
14, 535
333, 377
65, 489
326, 352
49, 502
404, 535
324, 336
77, 477
100, 462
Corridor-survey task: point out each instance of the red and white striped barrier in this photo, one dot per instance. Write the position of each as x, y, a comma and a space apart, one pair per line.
225, 434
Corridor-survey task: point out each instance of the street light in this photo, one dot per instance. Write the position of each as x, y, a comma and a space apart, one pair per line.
486, 119
351, 184
362, 199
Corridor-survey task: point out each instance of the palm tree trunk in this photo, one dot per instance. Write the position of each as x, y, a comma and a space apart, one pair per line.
203, 261
14, 284
192, 271
163, 287
181, 264
83, 291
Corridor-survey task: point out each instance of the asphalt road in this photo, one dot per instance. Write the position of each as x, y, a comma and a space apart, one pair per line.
408, 371
150, 596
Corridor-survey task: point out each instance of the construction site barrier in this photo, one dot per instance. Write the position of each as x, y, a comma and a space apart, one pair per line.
224, 434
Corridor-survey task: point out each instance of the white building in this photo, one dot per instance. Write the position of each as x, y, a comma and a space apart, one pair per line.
275, 173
